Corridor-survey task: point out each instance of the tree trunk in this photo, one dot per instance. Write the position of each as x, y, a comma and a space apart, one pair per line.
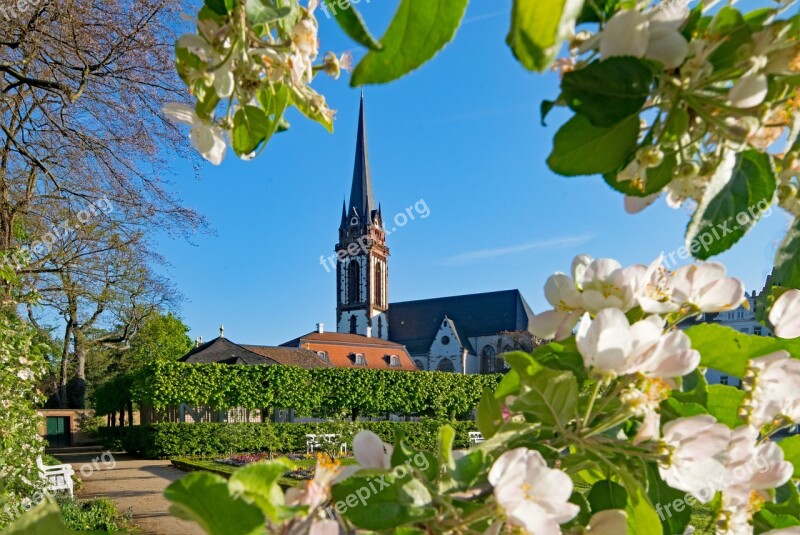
113, 417
130, 412
62, 384
80, 347
122, 417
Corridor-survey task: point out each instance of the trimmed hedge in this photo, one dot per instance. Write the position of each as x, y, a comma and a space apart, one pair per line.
323, 392
164, 440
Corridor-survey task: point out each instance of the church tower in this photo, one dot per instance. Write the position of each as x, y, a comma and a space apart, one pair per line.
362, 272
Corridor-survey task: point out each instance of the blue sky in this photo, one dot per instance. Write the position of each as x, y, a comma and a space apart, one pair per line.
463, 135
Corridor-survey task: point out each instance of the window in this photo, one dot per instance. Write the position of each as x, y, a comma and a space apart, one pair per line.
419, 364
359, 360
379, 285
723, 379
394, 360
488, 359
353, 324
445, 366
445, 340
354, 282
758, 331
380, 327
323, 355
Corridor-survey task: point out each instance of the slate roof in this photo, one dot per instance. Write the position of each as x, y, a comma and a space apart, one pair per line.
290, 356
362, 199
415, 323
223, 351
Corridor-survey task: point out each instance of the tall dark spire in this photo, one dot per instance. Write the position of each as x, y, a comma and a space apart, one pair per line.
361, 196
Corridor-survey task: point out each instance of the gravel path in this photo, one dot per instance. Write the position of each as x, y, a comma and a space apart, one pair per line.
133, 484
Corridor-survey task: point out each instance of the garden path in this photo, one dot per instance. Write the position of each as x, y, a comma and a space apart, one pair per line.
134, 484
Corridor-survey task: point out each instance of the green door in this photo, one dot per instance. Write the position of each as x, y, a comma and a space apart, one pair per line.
58, 431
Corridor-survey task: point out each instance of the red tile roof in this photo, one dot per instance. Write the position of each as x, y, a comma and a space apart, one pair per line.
341, 349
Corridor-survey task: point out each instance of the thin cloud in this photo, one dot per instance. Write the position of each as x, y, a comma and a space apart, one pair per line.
478, 18
497, 252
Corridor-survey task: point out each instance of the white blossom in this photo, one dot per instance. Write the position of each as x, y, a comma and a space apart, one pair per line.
785, 315
609, 344
749, 91
698, 447
207, 138
773, 386
534, 497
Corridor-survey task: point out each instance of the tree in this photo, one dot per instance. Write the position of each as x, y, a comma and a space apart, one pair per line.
161, 338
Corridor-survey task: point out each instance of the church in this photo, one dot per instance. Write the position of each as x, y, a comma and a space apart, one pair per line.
462, 334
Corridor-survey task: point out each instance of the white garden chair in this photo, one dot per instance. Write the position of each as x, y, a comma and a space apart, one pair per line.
312, 442
475, 437
59, 476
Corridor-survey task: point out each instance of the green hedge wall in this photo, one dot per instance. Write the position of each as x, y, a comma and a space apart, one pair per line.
323, 392
158, 441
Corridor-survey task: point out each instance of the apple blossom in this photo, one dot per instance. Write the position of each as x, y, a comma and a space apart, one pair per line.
703, 286
749, 91
785, 315
533, 496
653, 35
697, 447
609, 344
370, 452
207, 138
608, 522
772, 383
752, 469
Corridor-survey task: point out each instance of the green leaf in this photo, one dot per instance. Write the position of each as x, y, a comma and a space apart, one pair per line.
250, 128
522, 363
791, 452
538, 28
352, 23
468, 468
444, 441
259, 12
258, 483
369, 505
509, 385
216, 6
606, 494
723, 404
562, 356
419, 29
44, 519
490, 414
545, 108
580, 148
662, 494
727, 350
728, 211
787, 261
552, 397
642, 516
729, 27
672, 409
694, 389
204, 498
608, 91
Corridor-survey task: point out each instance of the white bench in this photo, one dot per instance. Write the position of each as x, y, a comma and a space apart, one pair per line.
59, 477
318, 441
475, 437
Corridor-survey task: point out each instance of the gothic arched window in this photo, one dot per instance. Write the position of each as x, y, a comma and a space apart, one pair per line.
446, 365
380, 327
378, 285
488, 360
353, 324
354, 282
419, 364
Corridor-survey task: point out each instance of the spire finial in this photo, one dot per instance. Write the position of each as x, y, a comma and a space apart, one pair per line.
222, 331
